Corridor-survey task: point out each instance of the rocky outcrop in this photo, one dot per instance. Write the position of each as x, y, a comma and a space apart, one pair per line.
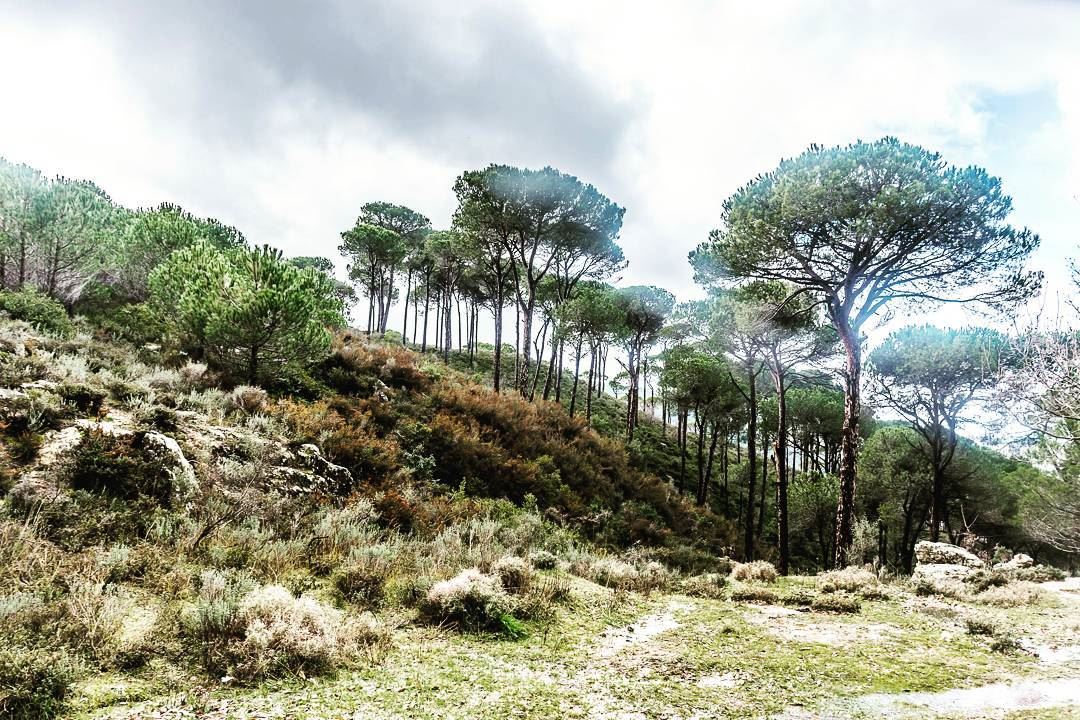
338, 477
943, 572
168, 451
932, 553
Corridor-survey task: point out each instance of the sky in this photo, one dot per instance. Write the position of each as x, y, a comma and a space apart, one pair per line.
284, 118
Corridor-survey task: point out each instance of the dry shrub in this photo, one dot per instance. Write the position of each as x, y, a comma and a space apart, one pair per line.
286, 634
248, 399
1012, 595
760, 571
193, 375
850, 580
653, 576
362, 578
753, 594
513, 572
610, 572
835, 602
471, 601
706, 585
798, 597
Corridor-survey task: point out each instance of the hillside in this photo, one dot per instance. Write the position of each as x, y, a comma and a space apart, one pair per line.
173, 546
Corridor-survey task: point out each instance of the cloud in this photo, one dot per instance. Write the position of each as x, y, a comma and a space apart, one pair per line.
475, 81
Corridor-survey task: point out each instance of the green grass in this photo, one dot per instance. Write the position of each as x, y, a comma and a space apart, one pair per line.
724, 659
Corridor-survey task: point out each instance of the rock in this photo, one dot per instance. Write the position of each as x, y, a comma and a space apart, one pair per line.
168, 451
931, 553
1019, 561
340, 479
292, 481
943, 572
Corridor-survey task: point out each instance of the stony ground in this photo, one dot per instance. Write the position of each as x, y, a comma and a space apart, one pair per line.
675, 657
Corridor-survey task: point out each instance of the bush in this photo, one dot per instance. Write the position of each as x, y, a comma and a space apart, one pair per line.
836, 603
978, 626
286, 634
653, 576
248, 399
707, 585
1012, 595
543, 560
82, 397
850, 580
360, 583
798, 597
760, 571
986, 579
611, 572
213, 620
1037, 574
33, 683
472, 601
753, 594
513, 572
1006, 645
117, 466
38, 309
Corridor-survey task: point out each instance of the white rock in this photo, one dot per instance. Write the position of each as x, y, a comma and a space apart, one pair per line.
931, 553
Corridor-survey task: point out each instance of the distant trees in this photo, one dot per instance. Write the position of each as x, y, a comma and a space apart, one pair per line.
862, 227
384, 237
641, 311
248, 310
934, 378
55, 234
543, 223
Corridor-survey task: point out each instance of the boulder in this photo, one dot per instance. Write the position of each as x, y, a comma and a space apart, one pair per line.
943, 572
339, 478
931, 553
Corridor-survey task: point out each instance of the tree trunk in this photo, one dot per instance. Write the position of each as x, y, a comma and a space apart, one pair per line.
751, 456
849, 444
577, 373
780, 458
405, 324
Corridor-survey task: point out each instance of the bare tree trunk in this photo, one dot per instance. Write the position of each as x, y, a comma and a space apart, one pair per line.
405, 324
577, 373
849, 445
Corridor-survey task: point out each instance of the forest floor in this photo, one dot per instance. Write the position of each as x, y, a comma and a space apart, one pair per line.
626, 656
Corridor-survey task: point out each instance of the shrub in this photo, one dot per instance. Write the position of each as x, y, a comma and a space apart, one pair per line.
248, 399
760, 571
707, 585
283, 633
213, 620
611, 572
1012, 595
193, 374
978, 626
38, 309
851, 580
753, 594
513, 572
471, 600
836, 603
543, 560
82, 397
1037, 574
798, 597
33, 683
116, 466
653, 576
360, 583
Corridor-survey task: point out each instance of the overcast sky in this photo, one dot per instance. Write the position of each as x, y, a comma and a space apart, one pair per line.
283, 118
